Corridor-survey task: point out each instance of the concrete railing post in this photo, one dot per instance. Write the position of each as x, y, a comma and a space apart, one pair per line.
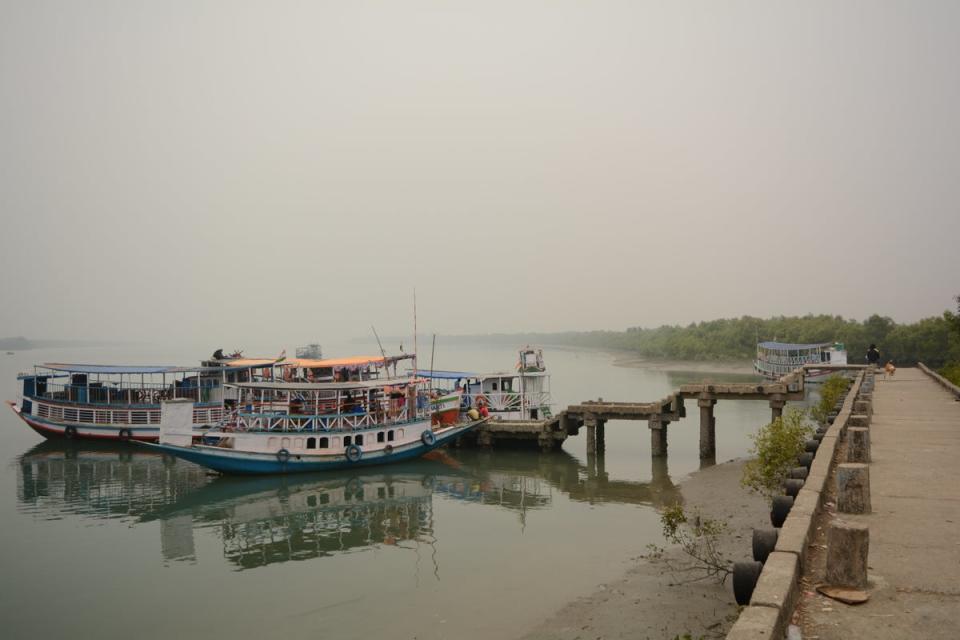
858, 444
853, 488
847, 548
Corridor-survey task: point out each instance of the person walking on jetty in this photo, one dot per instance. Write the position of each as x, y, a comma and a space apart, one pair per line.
873, 356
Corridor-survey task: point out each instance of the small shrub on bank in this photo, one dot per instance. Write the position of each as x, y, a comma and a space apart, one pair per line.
699, 538
775, 447
832, 390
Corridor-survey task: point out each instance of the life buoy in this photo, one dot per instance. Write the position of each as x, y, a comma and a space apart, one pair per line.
354, 453
387, 450
125, 434
428, 437
283, 456
70, 432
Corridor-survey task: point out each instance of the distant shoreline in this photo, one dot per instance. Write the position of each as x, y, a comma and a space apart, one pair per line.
636, 361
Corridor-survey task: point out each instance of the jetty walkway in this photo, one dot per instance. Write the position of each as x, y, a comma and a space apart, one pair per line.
914, 553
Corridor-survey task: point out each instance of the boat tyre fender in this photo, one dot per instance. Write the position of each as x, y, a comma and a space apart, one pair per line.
387, 450
70, 432
125, 434
428, 437
283, 456
354, 453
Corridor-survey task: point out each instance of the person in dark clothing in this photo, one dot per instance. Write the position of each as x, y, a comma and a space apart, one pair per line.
873, 356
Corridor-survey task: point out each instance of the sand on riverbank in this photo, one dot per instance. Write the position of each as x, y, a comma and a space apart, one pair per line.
647, 601
628, 359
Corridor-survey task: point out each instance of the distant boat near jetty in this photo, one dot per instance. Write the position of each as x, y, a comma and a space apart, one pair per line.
776, 359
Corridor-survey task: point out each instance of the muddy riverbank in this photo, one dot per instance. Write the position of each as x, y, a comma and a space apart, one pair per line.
650, 601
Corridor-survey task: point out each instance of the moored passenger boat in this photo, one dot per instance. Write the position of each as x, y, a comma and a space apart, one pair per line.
115, 402
777, 359
523, 394
290, 425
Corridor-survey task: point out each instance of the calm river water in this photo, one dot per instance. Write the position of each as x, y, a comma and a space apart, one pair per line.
112, 541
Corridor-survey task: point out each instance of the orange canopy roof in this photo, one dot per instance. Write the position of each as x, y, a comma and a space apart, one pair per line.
309, 363
250, 362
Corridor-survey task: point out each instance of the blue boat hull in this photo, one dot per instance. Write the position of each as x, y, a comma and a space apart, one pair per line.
244, 463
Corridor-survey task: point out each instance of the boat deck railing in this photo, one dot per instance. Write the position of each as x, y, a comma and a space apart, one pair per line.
131, 416
267, 421
95, 394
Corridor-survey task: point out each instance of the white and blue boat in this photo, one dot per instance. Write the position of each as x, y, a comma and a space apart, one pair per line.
122, 402
288, 426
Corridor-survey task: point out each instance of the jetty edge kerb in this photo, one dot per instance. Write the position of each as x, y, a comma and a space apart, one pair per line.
778, 587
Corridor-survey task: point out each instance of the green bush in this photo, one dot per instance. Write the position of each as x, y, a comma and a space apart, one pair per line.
776, 447
832, 390
952, 373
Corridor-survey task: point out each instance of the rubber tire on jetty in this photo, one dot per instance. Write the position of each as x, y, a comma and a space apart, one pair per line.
354, 453
428, 437
818, 437
780, 509
831, 418
70, 432
283, 456
764, 541
805, 459
745, 576
792, 486
125, 434
810, 446
800, 473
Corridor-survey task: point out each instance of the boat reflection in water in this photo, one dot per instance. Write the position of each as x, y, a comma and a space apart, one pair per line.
265, 520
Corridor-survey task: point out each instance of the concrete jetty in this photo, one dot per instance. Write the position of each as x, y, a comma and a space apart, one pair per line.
914, 556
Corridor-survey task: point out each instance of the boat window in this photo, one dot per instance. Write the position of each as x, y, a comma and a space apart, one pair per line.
346, 441
400, 433
380, 436
311, 443
298, 443
358, 440
494, 386
335, 442
324, 443
390, 435
271, 443
508, 385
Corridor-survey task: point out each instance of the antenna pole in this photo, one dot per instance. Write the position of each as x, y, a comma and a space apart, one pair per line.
414, 332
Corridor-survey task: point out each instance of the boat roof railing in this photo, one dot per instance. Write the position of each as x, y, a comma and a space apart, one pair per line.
323, 386
106, 369
786, 346
455, 375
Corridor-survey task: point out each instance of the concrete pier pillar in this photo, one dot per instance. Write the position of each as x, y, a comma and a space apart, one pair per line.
591, 424
708, 427
601, 433
658, 436
777, 403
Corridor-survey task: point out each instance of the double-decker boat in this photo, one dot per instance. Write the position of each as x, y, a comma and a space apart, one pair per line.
295, 424
121, 402
777, 359
112, 402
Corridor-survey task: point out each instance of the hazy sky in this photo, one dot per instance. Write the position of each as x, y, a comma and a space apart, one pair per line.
226, 170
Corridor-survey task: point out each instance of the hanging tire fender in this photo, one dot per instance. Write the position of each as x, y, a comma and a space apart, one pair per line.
283, 456
428, 437
354, 453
